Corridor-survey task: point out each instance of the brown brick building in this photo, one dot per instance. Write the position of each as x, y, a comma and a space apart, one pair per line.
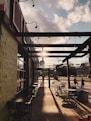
17, 68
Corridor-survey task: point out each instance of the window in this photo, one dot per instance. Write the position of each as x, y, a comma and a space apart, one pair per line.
20, 73
17, 16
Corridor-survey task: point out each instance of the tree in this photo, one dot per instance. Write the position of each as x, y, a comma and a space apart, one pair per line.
84, 68
62, 70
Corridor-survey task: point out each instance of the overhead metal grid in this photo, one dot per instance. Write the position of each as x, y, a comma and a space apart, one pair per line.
72, 53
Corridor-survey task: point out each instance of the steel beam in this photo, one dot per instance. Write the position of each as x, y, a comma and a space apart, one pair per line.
51, 34
52, 45
78, 49
54, 56
56, 51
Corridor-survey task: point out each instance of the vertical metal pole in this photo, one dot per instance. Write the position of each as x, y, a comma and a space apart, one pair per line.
42, 55
49, 77
68, 74
33, 78
26, 72
42, 74
89, 49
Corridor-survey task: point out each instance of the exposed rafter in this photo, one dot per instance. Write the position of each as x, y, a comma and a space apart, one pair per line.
51, 34
57, 51
52, 45
79, 49
54, 56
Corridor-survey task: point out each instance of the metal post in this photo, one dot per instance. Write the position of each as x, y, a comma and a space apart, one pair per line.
89, 49
42, 74
49, 77
68, 74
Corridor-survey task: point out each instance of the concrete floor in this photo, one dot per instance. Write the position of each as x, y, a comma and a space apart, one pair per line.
46, 106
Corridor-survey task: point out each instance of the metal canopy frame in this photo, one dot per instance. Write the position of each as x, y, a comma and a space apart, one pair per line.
53, 56
57, 52
52, 45
79, 49
52, 34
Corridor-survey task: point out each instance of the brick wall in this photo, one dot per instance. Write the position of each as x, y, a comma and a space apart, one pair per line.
8, 70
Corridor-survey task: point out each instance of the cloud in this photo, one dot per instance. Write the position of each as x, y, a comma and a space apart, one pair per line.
49, 18
44, 23
60, 22
67, 4
41, 18
81, 13
86, 17
59, 4
75, 16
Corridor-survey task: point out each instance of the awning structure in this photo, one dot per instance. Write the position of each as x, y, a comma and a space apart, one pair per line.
79, 50
73, 53
52, 34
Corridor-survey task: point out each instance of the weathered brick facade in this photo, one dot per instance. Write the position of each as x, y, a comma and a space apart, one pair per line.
8, 70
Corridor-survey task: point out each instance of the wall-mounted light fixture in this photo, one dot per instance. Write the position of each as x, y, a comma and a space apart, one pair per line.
27, 0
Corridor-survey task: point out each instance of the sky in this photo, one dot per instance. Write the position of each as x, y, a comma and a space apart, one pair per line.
58, 16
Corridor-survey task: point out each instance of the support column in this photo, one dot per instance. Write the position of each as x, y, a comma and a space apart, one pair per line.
32, 72
68, 74
89, 49
49, 77
26, 68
